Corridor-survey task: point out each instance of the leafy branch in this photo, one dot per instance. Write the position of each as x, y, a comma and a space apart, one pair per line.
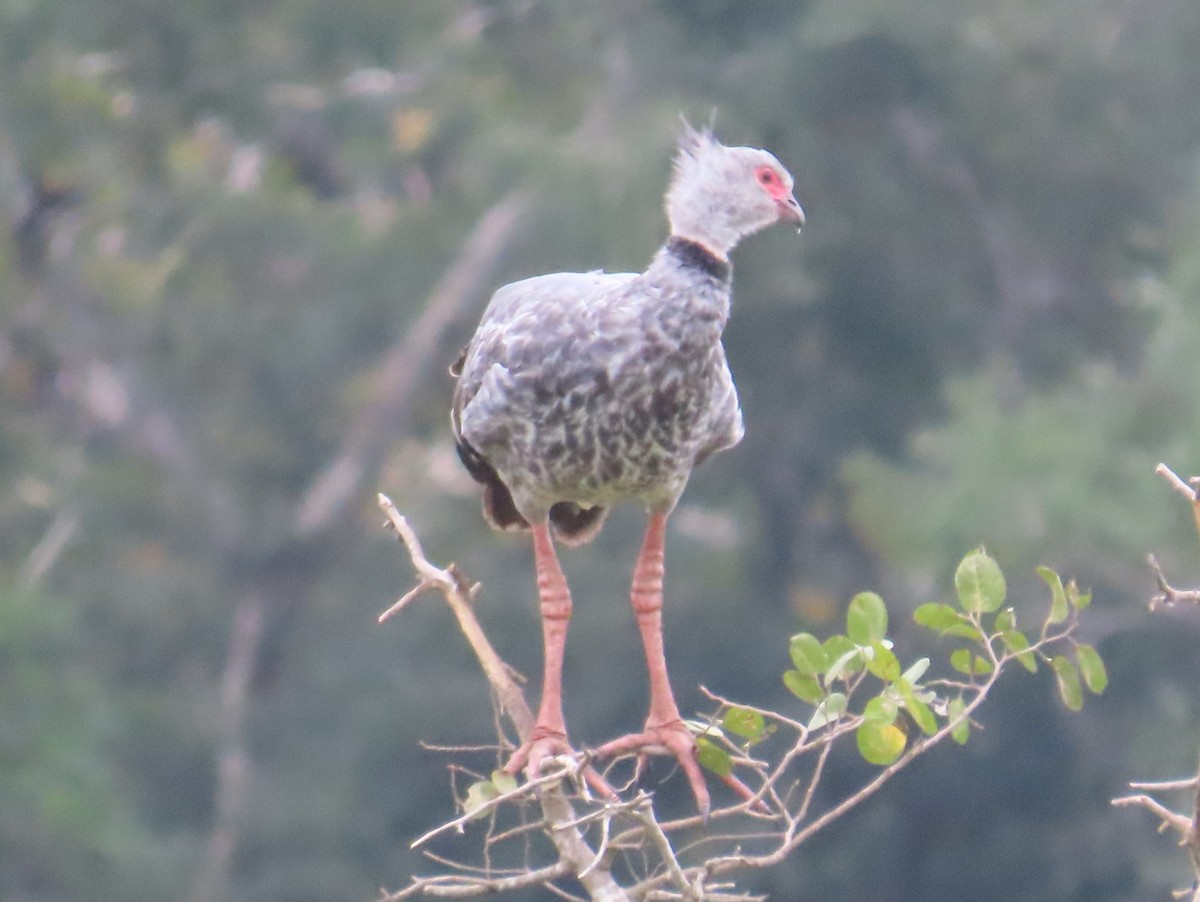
852, 684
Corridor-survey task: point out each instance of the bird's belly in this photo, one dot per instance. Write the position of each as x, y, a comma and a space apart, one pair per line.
595, 460
595, 440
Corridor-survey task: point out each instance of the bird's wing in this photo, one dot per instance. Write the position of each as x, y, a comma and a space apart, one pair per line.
725, 426
527, 320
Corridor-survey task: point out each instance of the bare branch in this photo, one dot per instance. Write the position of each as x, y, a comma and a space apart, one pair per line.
1177, 822
576, 856
1188, 828
1168, 595
1167, 785
457, 886
459, 593
644, 813
1183, 488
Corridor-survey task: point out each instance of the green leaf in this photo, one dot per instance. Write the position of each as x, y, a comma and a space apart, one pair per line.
880, 743
961, 731
1058, 596
1017, 643
1078, 599
1068, 682
965, 631
1091, 667
838, 645
830, 709
866, 618
1005, 621
504, 783
714, 758
808, 655
745, 723
478, 795
939, 617
982, 665
979, 583
884, 663
881, 709
960, 660
846, 659
918, 709
803, 686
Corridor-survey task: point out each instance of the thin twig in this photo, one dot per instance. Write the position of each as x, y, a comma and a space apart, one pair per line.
737, 862
1177, 822
1167, 785
459, 592
1187, 491
459, 886
1168, 595
644, 812
525, 789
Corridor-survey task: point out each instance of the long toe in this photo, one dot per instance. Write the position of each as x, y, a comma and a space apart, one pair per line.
673, 739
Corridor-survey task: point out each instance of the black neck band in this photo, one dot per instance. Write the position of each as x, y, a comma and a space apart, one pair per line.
696, 255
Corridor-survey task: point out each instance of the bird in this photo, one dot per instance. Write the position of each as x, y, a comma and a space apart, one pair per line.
581, 390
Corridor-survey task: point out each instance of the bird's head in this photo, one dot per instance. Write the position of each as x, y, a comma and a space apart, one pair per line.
720, 194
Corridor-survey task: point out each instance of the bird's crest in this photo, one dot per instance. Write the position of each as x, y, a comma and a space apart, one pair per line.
693, 145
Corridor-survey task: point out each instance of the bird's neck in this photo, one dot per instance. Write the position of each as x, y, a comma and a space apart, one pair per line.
692, 254
690, 301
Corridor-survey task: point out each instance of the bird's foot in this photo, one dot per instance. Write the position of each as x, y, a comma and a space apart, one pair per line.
675, 739
542, 750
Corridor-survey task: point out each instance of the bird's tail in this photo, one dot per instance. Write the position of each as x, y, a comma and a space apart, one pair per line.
574, 525
498, 507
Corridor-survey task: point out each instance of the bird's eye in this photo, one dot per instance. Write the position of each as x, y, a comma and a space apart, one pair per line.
767, 175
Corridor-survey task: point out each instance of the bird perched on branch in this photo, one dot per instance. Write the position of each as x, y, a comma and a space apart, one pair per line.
579, 390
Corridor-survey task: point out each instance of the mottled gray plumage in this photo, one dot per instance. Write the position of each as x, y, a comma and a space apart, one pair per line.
582, 389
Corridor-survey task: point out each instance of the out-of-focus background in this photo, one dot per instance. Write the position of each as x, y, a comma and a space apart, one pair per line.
241, 243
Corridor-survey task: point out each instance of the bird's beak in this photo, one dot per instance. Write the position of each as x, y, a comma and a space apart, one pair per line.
790, 211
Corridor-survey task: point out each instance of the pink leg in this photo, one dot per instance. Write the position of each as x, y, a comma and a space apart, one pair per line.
647, 598
665, 729
550, 731
549, 736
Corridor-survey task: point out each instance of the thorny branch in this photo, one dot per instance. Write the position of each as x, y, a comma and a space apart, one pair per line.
1188, 828
1167, 594
619, 850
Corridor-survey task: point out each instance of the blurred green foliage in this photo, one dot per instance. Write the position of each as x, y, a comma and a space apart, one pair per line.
220, 218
